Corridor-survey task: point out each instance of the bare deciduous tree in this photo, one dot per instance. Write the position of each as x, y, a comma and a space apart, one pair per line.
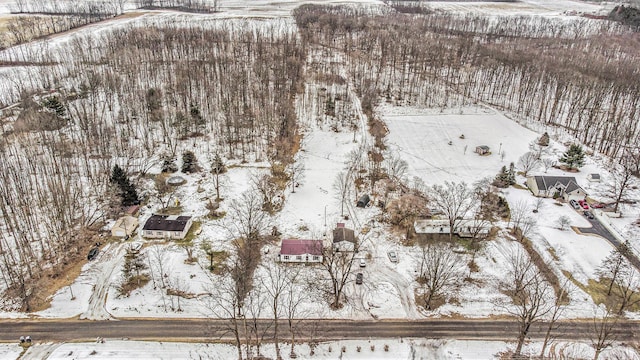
528, 162
337, 268
440, 272
604, 331
455, 200
531, 294
621, 182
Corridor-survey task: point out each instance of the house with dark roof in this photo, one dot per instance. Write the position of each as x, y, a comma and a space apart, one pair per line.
344, 239
300, 251
167, 227
565, 187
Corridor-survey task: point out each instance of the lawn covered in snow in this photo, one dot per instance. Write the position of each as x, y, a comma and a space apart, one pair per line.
440, 349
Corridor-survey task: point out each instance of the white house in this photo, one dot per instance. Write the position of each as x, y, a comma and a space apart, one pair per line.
300, 251
550, 186
167, 227
432, 226
124, 226
463, 228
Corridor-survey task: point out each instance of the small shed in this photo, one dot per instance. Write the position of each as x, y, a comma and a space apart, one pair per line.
482, 150
594, 177
364, 201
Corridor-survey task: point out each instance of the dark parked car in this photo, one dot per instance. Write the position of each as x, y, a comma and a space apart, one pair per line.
93, 253
359, 277
588, 214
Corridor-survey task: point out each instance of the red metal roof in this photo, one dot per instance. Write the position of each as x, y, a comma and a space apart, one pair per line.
301, 247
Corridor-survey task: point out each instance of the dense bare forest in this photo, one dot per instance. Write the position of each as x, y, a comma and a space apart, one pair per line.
124, 97
581, 76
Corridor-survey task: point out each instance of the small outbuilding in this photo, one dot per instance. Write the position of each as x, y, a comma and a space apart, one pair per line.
344, 239
124, 226
363, 201
594, 177
482, 150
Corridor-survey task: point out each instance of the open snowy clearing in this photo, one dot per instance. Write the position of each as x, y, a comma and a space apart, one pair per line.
431, 142
348, 349
524, 7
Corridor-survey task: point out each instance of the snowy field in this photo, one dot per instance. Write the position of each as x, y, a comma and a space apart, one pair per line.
431, 142
524, 7
396, 349
284, 7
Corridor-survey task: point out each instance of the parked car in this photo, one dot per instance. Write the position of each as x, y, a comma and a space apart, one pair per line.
393, 257
362, 263
359, 277
93, 253
584, 204
598, 205
588, 214
574, 204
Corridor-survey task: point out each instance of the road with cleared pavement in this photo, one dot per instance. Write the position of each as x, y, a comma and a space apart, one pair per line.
203, 330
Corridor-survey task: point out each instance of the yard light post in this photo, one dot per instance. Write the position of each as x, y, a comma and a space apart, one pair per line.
500, 149
70, 289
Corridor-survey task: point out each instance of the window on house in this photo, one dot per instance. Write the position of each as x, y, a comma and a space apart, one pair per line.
159, 233
316, 258
286, 257
299, 257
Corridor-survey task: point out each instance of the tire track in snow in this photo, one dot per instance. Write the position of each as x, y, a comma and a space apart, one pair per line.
109, 260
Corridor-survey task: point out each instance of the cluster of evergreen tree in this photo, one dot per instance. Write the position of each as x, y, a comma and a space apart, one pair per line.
506, 177
128, 192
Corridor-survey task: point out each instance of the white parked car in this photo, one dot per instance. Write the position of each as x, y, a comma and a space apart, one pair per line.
362, 263
393, 257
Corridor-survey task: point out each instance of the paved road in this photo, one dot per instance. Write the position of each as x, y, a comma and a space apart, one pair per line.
212, 330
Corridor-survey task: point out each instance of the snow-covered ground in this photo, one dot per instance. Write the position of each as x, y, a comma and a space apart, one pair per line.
422, 137
347, 349
524, 7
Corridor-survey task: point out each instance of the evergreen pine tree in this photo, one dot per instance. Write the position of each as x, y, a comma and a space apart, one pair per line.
128, 192
573, 157
189, 162
169, 163
217, 166
511, 174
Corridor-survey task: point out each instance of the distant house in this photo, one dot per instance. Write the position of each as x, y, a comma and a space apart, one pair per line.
482, 150
344, 239
463, 228
300, 251
124, 226
594, 177
556, 186
167, 227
